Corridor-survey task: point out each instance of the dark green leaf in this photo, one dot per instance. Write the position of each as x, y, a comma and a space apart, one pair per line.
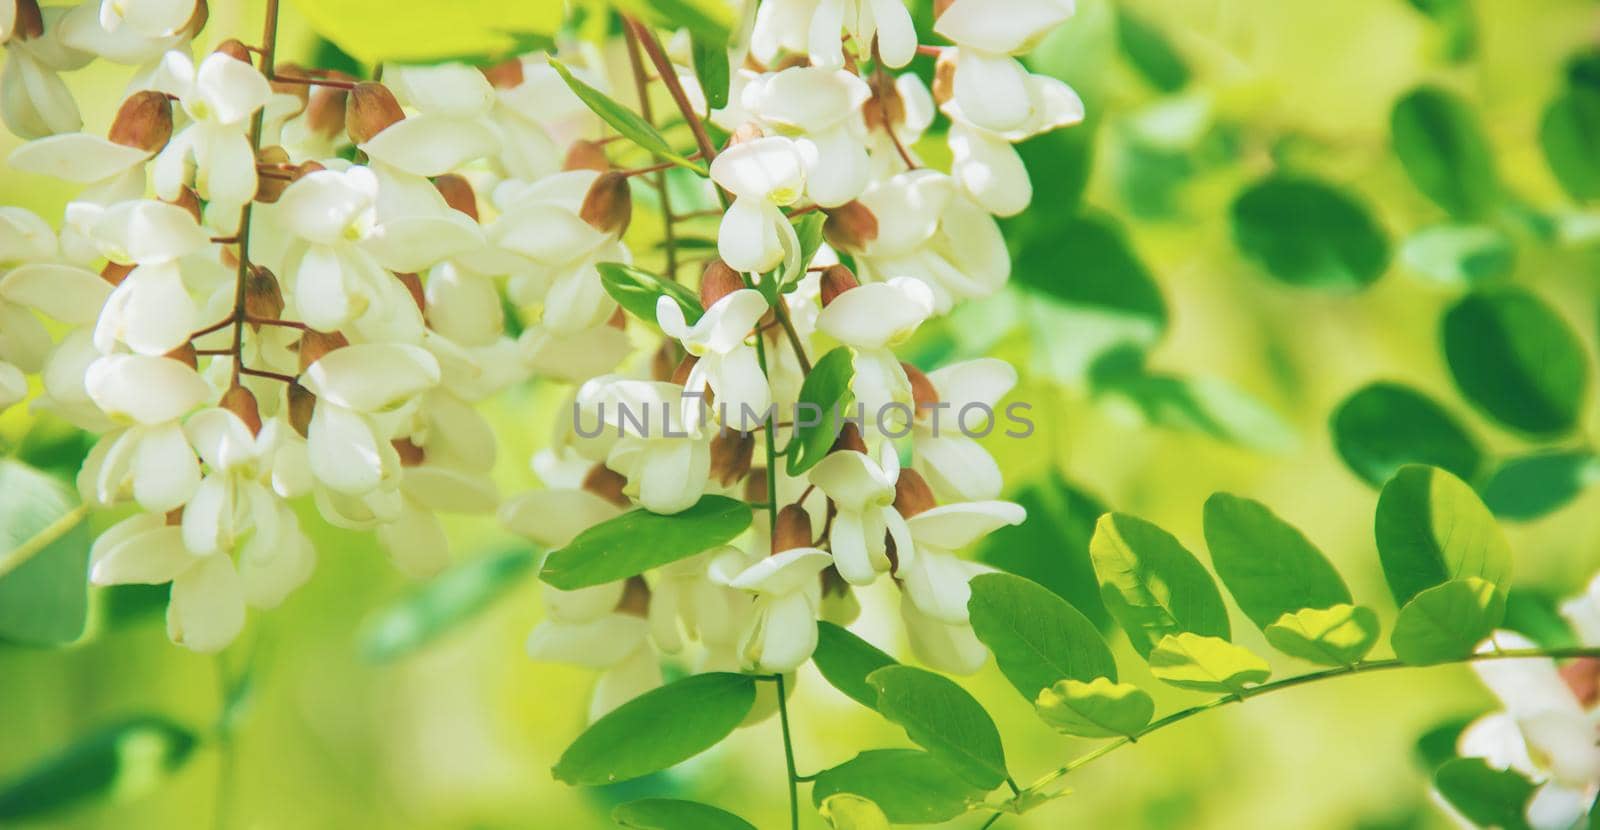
1385, 426
1446, 622
827, 388
623, 120
1537, 614
1309, 233
1536, 485
707, 18
676, 814
449, 600
1150, 52
1052, 546
909, 785
1460, 254
1517, 360
942, 718
1486, 796
1431, 528
1210, 406
711, 68
1569, 133
845, 660
1438, 744
44, 600
1444, 152
1268, 565
124, 760
658, 729
1100, 708
1460, 27
640, 540
1103, 274
1152, 585
1037, 637
639, 291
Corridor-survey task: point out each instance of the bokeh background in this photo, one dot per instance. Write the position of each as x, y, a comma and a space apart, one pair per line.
335, 722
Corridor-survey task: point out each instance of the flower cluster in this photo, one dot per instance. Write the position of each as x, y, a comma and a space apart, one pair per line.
283, 285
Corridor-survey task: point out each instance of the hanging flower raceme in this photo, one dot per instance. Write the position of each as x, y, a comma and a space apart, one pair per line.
219, 96
993, 89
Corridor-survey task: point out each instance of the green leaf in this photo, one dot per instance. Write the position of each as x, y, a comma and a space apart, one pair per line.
1103, 276
1385, 426
122, 760
708, 19
625, 121
1460, 254
1209, 406
710, 58
658, 729
447, 601
1150, 52
1537, 614
1531, 486
1569, 133
941, 717
638, 291
1052, 546
1206, 664
909, 785
1152, 585
1268, 565
1517, 360
44, 598
808, 229
1037, 638
676, 814
846, 811
1446, 622
639, 540
1100, 708
1460, 27
1337, 636
1444, 152
845, 660
1431, 528
827, 388
1309, 233
1486, 796
422, 31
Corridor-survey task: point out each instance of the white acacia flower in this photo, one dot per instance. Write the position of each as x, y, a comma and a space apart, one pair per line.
152, 310
573, 357
88, 28
692, 597
935, 580
815, 26
863, 492
206, 609
110, 172
726, 361
820, 108
34, 101
588, 627
909, 117
219, 97
928, 231
654, 438
450, 127
782, 632
149, 459
36, 281
957, 467
763, 175
985, 163
991, 86
872, 319
349, 446
538, 118
946, 647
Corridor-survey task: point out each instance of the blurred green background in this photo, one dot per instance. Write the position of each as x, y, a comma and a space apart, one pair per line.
1190, 102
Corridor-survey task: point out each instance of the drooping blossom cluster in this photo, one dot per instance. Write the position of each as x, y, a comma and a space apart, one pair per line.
283, 285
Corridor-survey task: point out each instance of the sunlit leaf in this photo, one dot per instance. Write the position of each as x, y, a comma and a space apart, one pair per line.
709, 19
1037, 637
422, 31
944, 719
827, 388
1445, 152
1431, 527
1517, 360
1101, 708
909, 785
1268, 565
122, 761
1486, 796
44, 598
676, 814
1337, 636
1446, 622
1206, 664
1150, 52
1308, 233
639, 291
1460, 254
1152, 585
1531, 486
447, 601
1052, 546
639, 540
1385, 426
847, 811
658, 729
625, 121
845, 660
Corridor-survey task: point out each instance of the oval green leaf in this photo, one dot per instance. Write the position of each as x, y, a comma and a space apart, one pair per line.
639, 291
1308, 233
1152, 585
1206, 664
1517, 360
1531, 486
1486, 796
123, 760
1052, 546
825, 399
845, 660
658, 729
1268, 565
1037, 638
944, 719
1337, 636
639, 540
1100, 708
909, 785
1444, 152
1569, 134
44, 559
676, 814
1431, 527
1446, 622
1385, 426
445, 602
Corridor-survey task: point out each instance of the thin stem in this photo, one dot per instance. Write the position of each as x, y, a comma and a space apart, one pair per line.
269, 57
15, 557
781, 311
788, 746
883, 107
295, 79
990, 823
641, 83
669, 76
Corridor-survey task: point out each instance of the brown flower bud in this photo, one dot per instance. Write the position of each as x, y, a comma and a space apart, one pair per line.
369, 110
885, 108
944, 77
326, 106
731, 452
504, 75
755, 487
665, 360
413, 284
188, 200
314, 344
174, 517
263, 297
635, 597
234, 48
618, 319
607, 484
1582, 676
608, 206
850, 227
30, 21
718, 281
586, 155
922, 392
301, 405
912, 495
185, 354
836, 279
197, 19
849, 440
270, 184
242, 402
793, 529
143, 122
745, 132
458, 193
410, 454
115, 272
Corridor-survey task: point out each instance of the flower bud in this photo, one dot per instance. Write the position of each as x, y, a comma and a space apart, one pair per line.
369, 110
188, 200
325, 107
234, 48
143, 122
793, 529
314, 344
606, 483
504, 75
635, 597
410, 454
301, 405
849, 440
270, 186
944, 77
718, 281
608, 205
836, 279
618, 319
586, 155
174, 517
413, 283
29, 22
731, 452
745, 132
1582, 676
458, 193
115, 272
923, 394
263, 297
242, 403
850, 227
885, 108
912, 495
185, 354
755, 487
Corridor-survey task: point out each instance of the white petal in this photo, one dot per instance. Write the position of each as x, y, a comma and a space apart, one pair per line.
344, 453
447, 88
206, 611
948, 648
767, 169
785, 635
553, 518
954, 526
837, 166
416, 543
427, 145
783, 573
67, 293
878, 314
151, 311
232, 89
897, 37
328, 206
956, 467
673, 476
992, 90
1003, 26
148, 390
853, 480
76, 157
148, 231
990, 170
141, 549
597, 644
983, 381
165, 469
370, 377
747, 239
810, 99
